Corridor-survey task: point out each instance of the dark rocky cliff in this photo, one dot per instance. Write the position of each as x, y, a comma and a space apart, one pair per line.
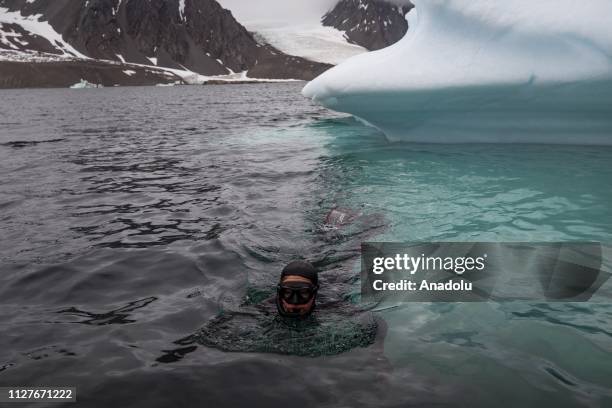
198, 35
373, 24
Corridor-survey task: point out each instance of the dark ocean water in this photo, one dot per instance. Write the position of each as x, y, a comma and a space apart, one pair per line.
132, 218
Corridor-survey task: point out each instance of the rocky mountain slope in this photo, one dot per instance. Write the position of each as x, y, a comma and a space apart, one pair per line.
192, 35
373, 24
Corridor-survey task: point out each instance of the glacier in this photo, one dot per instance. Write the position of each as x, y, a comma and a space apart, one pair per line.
294, 27
478, 71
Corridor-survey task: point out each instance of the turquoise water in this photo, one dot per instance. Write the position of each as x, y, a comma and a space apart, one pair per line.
475, 192
512, 354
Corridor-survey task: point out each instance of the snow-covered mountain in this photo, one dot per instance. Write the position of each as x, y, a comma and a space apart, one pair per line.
196, 36
372, 24
186, 40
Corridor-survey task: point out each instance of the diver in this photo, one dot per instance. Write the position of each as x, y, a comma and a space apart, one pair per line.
297, 290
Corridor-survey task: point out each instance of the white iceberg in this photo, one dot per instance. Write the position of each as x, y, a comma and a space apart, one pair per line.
512, 71
84, 84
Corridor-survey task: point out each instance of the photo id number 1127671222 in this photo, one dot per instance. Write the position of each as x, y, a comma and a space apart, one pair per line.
23, 394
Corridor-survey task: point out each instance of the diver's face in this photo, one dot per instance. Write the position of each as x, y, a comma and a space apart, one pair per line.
291, 301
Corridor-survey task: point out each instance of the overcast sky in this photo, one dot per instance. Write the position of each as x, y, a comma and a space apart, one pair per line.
290, 11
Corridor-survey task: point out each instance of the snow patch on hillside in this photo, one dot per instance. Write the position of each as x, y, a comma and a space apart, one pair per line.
32, 56
182, 9
36, 26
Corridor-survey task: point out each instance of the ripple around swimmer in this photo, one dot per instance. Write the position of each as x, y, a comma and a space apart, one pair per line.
328, 332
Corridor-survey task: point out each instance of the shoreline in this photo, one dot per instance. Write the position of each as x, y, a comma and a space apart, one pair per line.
50, 71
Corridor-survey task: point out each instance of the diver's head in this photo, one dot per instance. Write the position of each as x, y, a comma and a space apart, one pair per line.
297, 289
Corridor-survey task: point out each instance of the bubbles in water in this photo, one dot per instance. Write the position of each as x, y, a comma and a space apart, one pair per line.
319, 335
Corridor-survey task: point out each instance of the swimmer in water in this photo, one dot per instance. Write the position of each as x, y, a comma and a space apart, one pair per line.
297, 290
284, 323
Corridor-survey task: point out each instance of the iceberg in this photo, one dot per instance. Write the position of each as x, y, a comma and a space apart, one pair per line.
84, 84
478, 71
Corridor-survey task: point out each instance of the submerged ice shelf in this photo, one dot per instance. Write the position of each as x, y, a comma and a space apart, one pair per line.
481, 71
